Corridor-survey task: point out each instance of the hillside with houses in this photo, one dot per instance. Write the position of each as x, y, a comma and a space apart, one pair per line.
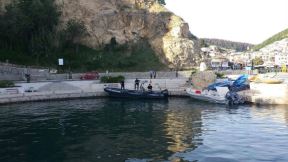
273, 52
271, 55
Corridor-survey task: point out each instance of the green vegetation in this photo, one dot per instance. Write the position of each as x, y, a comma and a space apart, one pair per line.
110, 79
28, 36
277, 37
220, 75
162, 2
29, 26
133, 57
194, 71
258, 61
238, 46
6, 84
74, 30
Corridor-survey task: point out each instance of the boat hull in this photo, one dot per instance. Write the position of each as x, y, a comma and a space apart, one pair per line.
207, 98
118, 93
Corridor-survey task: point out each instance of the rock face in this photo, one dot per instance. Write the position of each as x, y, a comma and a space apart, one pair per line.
131, 20
3, 3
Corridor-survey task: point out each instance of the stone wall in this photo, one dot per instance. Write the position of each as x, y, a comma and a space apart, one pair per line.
15, 72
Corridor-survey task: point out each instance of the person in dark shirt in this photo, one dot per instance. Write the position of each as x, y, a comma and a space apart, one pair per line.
151, 74
28, 78
122, 85
149, 87
136, 86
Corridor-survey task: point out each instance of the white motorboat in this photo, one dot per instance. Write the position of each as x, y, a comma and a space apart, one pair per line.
219, 92
217, 96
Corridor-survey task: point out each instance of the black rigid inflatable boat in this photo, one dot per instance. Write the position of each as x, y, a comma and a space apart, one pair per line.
117, 92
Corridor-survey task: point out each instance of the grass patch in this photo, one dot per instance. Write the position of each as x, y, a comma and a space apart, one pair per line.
220, 75
132, 57
6, 84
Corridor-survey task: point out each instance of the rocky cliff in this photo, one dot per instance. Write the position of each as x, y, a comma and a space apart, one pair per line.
3, 3
131, 20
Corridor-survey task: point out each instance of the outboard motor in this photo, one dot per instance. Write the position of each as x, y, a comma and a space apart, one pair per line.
233, 98
165, 93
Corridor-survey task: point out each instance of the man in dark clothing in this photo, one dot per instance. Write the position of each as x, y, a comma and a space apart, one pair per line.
122, 85
151, 74
28, 77
136, 86
154, 74
149, 87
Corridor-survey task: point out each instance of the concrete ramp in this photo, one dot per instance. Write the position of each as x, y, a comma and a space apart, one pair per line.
58, 86
267, 94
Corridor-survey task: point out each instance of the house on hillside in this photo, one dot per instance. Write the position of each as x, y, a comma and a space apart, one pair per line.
220, 63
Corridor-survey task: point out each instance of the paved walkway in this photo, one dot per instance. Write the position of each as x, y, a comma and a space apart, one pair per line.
81, 89
53, 90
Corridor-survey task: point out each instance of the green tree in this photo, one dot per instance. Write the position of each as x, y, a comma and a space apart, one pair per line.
202, 43
162, 2
75, 30
258, 61
27, 25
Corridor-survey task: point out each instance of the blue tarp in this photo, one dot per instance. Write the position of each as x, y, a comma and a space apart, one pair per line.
236, 85
240, 81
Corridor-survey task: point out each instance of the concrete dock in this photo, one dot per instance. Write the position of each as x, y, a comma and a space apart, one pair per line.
59, 90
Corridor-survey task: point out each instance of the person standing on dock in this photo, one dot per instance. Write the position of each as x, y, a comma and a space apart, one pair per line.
122, 85
136, 86
154, 74
151, 74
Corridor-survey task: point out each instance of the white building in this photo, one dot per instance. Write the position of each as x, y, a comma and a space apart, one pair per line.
273, 54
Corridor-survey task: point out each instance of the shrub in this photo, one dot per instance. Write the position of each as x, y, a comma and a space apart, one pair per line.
110, 79
6, 84
194, 71
220, 75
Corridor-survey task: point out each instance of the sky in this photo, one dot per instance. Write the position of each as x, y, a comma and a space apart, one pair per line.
251, 21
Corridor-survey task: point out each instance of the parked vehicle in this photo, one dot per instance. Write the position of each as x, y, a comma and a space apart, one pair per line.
90, 76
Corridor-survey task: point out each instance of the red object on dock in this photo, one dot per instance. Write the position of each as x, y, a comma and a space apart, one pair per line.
90, 76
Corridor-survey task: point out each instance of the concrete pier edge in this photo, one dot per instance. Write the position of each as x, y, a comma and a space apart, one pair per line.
70, 90
65, 97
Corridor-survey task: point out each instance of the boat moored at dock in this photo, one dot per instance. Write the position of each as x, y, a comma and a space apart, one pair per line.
125, 93
224, 92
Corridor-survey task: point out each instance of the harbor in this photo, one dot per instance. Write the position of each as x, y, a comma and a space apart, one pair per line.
113, 130
143, 81
43, 91
259, 93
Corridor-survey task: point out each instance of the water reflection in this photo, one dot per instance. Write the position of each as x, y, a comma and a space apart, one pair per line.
245, 133
98, 130
279, 113
109, 130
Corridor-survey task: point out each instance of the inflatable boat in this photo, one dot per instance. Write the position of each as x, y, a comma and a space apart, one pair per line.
125, 93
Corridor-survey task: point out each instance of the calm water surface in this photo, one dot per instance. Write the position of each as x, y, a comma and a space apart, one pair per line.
109, 130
